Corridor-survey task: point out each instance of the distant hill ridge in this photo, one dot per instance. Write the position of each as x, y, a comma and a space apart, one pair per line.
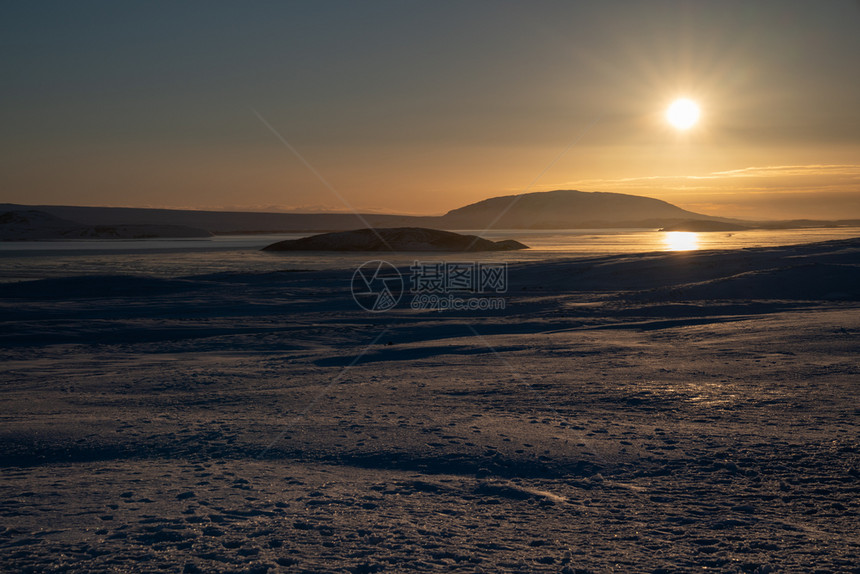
546, 210
563, 209
36, 225
560, 209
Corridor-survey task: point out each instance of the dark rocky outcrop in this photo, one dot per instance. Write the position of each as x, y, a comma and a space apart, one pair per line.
394, 239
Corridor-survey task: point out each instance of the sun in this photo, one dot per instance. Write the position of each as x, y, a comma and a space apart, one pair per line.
683, 113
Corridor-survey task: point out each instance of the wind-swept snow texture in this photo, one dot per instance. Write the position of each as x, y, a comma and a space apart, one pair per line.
649, 413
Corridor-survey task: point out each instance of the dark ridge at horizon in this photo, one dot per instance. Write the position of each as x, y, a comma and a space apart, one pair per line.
22, 206
556, 209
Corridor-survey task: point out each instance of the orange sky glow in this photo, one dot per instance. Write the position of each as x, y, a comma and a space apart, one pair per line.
425, 108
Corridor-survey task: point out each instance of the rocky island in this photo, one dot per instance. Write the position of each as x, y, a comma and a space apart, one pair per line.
395, 239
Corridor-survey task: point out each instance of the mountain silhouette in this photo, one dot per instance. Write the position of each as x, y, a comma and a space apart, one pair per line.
565, 209
560, 209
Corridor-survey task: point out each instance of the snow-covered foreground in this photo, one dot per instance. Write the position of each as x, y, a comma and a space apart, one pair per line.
647, 413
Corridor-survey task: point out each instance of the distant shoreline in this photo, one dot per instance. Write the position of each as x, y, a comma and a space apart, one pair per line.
559, 210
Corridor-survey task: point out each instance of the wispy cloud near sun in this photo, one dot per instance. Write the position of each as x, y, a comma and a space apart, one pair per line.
852, 170
842, 173
746, 191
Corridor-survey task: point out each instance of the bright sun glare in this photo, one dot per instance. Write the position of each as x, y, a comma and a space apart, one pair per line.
683, 113
681, 241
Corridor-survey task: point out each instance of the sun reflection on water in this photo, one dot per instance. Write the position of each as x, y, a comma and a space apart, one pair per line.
681, 240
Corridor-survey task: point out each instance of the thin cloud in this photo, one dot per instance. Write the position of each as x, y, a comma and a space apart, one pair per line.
789, 170
831, 176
